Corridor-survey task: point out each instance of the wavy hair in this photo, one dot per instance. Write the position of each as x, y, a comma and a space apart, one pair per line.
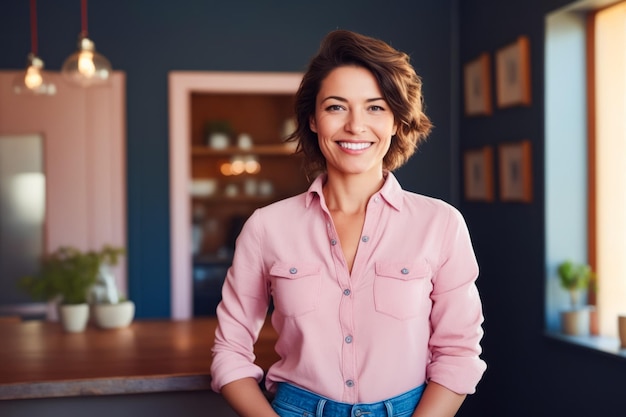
400, 85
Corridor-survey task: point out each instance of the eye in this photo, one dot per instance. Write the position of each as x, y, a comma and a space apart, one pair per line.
334, 107
376, 107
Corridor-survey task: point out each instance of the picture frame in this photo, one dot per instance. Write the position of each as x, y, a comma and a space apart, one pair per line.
477, 86
478, 174
513, 74
515, 174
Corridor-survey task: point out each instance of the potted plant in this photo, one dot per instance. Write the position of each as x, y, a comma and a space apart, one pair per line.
110, 309
574, 278
219, 133
68, 274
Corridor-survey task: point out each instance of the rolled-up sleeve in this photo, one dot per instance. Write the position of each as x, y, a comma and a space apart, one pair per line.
457, 316
241, 313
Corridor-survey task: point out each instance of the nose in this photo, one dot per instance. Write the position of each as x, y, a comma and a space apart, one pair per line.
355, 122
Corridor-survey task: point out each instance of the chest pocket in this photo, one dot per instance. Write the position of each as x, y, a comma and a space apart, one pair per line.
295, 288
399, 288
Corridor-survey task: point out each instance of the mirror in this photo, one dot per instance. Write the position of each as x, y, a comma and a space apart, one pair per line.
22, 215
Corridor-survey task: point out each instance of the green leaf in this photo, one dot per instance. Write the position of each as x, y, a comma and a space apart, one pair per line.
69, 273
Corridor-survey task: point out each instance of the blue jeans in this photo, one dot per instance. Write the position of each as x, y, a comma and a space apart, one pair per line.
291, 401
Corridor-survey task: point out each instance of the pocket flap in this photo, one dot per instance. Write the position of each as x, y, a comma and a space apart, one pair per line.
294, 270
403, 271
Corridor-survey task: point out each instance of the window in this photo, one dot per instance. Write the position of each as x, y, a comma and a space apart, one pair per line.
607, 145
585, 156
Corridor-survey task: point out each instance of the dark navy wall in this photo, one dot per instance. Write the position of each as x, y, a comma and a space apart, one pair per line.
528, 374
149, 38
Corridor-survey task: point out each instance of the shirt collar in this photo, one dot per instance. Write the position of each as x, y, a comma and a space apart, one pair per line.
391, 190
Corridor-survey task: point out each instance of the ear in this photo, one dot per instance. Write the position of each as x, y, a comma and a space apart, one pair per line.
312, 125
395, 130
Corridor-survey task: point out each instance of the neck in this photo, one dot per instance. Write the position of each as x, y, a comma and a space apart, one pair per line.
350, 193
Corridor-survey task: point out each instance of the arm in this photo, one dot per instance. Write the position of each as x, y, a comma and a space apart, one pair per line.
246, 398
241, 313
456, 316
438, 401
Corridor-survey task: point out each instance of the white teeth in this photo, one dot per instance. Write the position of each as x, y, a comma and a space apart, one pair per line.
355, 146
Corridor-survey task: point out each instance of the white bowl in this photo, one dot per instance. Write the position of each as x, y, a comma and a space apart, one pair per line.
114, 316
204, 187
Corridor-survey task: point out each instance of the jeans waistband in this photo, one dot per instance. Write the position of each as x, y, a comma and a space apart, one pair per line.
319, 406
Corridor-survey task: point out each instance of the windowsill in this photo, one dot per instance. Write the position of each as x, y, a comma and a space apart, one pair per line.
603, 344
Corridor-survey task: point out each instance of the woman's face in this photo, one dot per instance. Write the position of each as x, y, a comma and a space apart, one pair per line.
353, 122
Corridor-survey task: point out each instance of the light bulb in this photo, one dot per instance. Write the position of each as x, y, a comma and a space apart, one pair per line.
85, 64
225, 169
33, 78
252, 165
237, 166
86, 67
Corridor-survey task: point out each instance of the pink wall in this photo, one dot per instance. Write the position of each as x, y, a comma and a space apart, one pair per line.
84, 134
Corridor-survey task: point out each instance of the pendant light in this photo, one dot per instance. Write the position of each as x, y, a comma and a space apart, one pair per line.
86, 67
34, 80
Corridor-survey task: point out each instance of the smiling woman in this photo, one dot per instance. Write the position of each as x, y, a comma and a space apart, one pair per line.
340, 267
353, 122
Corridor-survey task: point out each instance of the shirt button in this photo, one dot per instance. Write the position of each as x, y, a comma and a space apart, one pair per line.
333, 242
365, 238
349, 383
376, 199
346, 292
293, 270
404, 271
348, 339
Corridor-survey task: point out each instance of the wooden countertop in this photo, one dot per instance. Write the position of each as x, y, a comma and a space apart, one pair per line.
38, 359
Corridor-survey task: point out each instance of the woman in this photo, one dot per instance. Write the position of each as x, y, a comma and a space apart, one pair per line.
374, 287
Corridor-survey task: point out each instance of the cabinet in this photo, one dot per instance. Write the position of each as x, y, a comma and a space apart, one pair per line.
230, 181
254, 103
222, 199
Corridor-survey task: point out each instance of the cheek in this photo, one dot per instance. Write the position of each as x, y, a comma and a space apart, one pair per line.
326, 127
387, 129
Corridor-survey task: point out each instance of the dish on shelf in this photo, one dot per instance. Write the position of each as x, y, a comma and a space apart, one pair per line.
203, 187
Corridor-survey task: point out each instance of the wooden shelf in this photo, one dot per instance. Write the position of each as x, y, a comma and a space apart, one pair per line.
233, 150
239, 199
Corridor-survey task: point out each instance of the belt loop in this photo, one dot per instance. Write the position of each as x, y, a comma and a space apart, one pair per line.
319, 412
389, 408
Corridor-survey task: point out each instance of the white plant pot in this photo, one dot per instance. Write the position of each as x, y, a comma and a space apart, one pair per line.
575, 322
74, 317
114, 316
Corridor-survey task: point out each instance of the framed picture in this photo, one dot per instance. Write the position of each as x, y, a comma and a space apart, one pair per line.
513, 74
515, 171
478, 174
477, 86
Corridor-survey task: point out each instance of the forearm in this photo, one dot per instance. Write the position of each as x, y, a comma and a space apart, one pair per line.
438, 401
247, 399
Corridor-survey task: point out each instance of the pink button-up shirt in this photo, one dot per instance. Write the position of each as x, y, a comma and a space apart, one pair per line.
408, 313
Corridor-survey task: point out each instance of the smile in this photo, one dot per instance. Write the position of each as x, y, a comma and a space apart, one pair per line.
355, 146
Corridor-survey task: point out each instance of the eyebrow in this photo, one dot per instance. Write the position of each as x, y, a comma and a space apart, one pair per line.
369, 100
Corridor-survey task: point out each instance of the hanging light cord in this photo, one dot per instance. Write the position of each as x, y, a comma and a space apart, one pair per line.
83, 20
33, 27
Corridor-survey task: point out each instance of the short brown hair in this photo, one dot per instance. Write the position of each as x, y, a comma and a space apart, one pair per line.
400, 85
